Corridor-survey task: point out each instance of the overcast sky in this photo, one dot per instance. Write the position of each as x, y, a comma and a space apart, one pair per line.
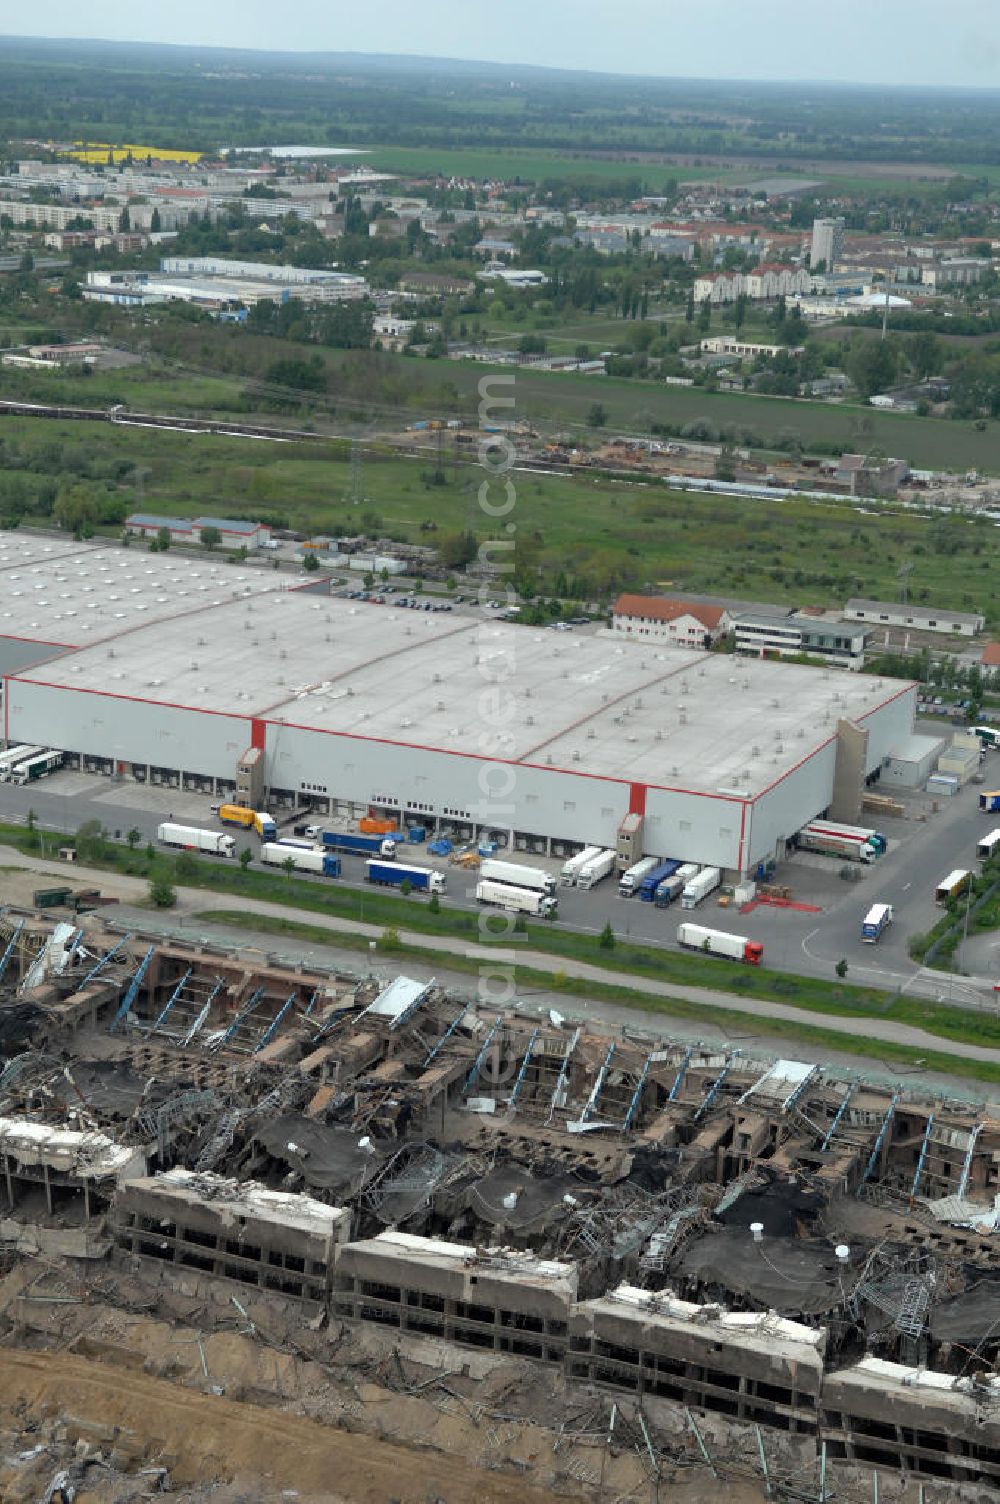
861, 41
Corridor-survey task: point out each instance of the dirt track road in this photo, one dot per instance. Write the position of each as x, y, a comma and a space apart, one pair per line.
210, 1438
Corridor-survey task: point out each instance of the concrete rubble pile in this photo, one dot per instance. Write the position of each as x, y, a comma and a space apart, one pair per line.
671, 1254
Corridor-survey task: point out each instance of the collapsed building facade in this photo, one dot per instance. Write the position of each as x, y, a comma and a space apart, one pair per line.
787, 1246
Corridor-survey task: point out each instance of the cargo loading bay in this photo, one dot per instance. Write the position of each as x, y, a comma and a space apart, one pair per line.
708, 1239
179, 673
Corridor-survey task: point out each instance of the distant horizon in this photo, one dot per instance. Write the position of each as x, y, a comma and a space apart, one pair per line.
898, 44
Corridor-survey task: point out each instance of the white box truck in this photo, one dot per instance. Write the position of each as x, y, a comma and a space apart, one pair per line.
706, 882
572, 869
191, 838
516, 875
630, 880
596, 870
515, 900
719, 943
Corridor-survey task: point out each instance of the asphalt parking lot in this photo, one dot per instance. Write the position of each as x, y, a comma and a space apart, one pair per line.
923, 845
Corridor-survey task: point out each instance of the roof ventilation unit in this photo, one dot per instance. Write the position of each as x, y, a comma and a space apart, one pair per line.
682, 717
111, 652
591, 735
576, 756
440, 705
746, 683
529, 720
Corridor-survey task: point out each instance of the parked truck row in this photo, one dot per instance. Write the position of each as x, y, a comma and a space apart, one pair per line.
24, 764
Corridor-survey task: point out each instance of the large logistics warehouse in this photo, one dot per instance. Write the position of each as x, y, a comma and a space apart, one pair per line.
168, 669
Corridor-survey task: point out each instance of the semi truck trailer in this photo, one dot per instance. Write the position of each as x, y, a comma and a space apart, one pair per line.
249, 819
342, 840
572, 869
516, 875
673, 887
191, 838
828, 844
860, 833
304, 859
988, 846
953, 885
394, 874
36, 767
706, 882
718, 943
14, 755
630, 880
596, 870
516, 900
652, 880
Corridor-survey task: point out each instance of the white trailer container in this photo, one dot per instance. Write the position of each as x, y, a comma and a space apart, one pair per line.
827, 844
303, 858
516, 875
596, 870
719, 943
700, 886
988, 846
630, 880
953, 886
515, 900
191, 838
14, 755
32, 768
572, 869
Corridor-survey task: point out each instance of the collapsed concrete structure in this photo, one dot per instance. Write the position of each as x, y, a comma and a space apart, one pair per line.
778, 1244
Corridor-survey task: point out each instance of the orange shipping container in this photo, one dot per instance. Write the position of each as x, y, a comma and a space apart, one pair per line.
369, 826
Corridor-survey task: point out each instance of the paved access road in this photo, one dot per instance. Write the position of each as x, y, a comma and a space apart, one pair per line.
921, 851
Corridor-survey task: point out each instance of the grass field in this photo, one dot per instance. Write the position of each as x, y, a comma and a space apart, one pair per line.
530, 165
602, 533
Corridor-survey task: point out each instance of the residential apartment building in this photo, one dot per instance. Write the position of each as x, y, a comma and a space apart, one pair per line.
827, 242
682, 623
958, 271
768, 281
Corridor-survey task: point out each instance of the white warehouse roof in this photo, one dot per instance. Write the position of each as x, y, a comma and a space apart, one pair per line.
592, 705
67, 593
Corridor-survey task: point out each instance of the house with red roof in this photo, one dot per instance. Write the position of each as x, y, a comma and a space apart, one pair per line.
654, 618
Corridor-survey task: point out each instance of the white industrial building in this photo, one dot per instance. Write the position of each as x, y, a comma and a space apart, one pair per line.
168, 670
922, 618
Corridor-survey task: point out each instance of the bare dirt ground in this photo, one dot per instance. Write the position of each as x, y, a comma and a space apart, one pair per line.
206, 1439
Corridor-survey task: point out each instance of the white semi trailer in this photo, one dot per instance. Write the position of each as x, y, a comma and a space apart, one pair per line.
515, 900
191, 838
